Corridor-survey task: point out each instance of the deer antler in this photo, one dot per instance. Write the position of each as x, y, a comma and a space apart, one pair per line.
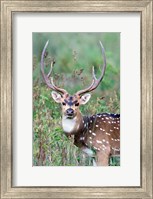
95, 81
49, 83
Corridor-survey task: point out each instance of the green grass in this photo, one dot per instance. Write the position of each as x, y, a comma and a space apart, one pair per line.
75, 53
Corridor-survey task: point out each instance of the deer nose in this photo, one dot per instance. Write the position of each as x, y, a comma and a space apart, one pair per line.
69, 111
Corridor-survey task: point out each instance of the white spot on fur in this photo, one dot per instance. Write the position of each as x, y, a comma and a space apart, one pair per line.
96, 125
107, 133
94, 134
98, 141
115, 149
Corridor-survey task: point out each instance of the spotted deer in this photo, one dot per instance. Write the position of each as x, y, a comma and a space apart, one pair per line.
97, 135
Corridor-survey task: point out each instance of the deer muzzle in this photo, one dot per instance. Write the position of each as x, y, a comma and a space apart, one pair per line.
70, 112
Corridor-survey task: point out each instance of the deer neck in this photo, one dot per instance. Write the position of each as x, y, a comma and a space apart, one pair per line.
73, 126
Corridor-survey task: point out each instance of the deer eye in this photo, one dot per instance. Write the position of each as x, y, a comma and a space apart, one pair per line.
63, 103
77, 104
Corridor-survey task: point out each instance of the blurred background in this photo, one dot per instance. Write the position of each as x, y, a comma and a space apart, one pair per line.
74, 55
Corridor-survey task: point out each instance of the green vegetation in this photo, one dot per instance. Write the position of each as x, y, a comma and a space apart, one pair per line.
75, 54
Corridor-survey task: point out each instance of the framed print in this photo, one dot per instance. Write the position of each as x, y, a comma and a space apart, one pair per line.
64, 39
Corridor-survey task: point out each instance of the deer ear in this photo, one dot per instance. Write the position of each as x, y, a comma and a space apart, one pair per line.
85, 98
56, 96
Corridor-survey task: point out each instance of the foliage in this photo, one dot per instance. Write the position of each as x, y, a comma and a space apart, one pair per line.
77, 52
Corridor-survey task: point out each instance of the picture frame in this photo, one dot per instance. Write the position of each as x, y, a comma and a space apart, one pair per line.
7, 10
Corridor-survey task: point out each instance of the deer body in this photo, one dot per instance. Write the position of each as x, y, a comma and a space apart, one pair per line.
97, 135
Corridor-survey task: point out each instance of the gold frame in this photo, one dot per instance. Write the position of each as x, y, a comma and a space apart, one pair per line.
144, 7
